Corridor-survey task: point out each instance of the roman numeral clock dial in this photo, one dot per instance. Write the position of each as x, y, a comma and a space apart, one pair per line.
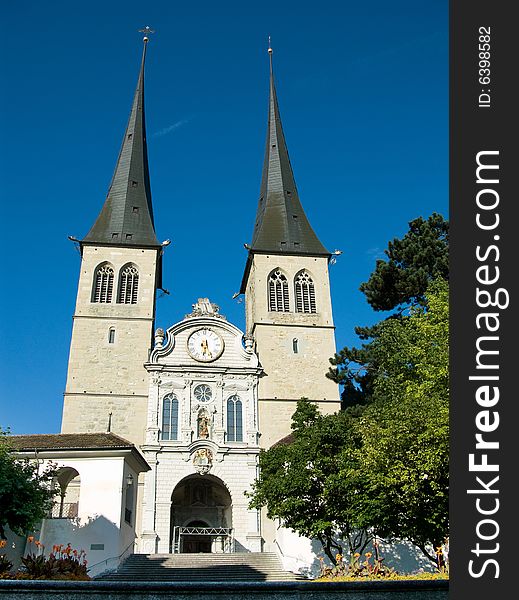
205, 345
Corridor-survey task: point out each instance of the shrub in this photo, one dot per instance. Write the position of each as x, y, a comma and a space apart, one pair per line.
5, 563
357, 569
63, 562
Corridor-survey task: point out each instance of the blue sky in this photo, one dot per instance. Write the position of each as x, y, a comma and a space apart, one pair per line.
363, 92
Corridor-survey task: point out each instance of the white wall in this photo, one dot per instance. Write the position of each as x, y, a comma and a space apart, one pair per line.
301, 555
100, 518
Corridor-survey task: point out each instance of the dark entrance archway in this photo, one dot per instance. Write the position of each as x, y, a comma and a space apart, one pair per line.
196, 543
201, 515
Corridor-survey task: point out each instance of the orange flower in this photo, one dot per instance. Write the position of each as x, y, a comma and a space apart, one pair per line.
38, 543
30, 539
368, 554
3, 543
357, 554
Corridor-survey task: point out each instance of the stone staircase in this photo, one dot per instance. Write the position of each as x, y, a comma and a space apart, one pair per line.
239, 566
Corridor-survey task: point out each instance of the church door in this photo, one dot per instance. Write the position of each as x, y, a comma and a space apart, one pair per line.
192, 544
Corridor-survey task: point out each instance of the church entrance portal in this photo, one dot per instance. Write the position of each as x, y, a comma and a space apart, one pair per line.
201, 516
195, 542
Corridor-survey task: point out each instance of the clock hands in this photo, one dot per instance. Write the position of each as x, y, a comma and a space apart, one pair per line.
205, 348
204, 345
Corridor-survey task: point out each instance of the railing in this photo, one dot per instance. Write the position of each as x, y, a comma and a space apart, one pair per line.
64, 510
115, 560
223, 534
292, 563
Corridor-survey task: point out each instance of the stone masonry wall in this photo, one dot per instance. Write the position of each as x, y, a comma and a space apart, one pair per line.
290, 375
108, 377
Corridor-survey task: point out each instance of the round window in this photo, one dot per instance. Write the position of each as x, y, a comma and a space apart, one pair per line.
203, 393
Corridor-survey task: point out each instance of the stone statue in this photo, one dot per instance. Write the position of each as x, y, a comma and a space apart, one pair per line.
203, 427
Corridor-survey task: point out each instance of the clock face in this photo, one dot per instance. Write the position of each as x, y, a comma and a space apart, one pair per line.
205, 345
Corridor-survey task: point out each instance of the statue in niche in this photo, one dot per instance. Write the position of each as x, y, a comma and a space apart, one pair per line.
203, 426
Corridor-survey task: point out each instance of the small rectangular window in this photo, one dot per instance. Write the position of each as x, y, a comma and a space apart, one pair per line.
128, 236
135, 209
115, 236
130, 135
134, 184
111, 335
97, 546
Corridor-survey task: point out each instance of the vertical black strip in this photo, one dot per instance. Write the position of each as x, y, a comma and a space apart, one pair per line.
483, 120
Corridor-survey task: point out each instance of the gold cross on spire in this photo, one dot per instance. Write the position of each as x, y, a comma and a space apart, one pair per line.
146, 30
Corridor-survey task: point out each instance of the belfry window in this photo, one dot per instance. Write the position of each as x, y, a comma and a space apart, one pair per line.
103, 284
128, 285
304, 293
234, 419
170, 418
278, 292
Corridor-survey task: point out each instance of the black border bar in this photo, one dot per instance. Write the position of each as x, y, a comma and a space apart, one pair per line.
484, 360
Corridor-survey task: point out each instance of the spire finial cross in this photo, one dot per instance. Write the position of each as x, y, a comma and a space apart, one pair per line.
270, 47
146, 30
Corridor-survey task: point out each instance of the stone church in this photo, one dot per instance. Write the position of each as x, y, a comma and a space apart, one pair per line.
162, 429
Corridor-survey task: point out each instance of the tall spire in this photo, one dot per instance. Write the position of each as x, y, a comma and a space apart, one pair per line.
127, 214
281, 224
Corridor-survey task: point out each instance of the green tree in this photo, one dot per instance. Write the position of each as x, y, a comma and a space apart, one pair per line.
403, 458
298, 481
26, 495
398, 284
419, 257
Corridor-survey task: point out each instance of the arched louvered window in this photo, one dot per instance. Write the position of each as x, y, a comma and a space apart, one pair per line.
234, 419
128, 285
278, 292
305, 293
170, 417
103, 284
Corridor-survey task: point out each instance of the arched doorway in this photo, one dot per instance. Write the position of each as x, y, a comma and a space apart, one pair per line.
196, 543
201, 515
68, 482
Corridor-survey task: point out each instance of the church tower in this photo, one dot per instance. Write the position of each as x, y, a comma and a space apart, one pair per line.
287, 294
107, 385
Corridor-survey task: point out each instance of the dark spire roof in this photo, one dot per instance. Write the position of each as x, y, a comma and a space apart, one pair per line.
127, 214
281, 224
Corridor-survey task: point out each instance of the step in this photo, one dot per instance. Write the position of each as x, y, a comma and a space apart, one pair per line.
239, 566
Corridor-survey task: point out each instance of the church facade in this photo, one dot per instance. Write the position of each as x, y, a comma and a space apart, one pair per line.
198, 400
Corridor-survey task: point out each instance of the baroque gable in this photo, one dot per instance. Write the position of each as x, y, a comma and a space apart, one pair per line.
175, 350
